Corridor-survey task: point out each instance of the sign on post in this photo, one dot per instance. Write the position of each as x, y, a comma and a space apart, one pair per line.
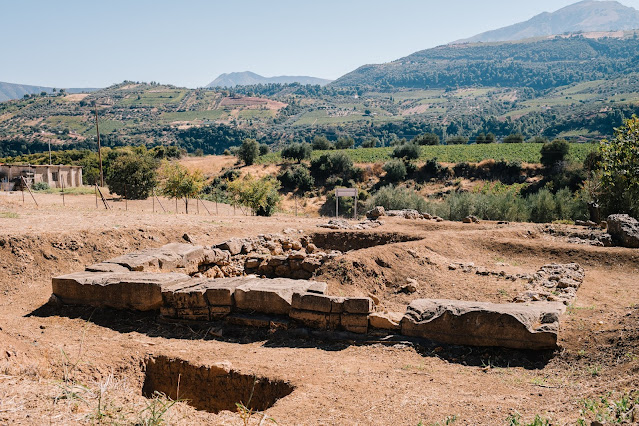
345, 192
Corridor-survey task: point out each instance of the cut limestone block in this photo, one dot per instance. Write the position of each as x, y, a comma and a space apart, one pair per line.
385, 321
510, 325
137, 261
356, 323
106, 267
269, 296
318, 320
122, 290
257, 321
318, 287
358, 305
219, 292
317, 303
189, 253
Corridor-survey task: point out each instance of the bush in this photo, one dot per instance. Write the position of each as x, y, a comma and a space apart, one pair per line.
264, 149
296, 179
345, 142
514, 138
370, 143
553, 155
426, 139
40, 186
395, 171
409, 151
457, 140
258, 195
248, 151
297, 152
336, 164
396, 198
321, 143
132, 175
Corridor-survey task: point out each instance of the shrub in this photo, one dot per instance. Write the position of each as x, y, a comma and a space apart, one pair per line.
345, 142
178, 182
370, 143
297, 152
397, 198
321, 143
457, 140
264, 149
395, 171
296, 179
426, 139
248, 151
333, 164
409, 151
40, 186
431, 169
514, 138
258, 195
553, 155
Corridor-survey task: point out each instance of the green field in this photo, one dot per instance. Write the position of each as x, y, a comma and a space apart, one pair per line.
524, 152
169, 117
153, 98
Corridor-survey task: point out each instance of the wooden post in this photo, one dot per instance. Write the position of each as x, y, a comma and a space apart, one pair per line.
97, 129
336, 205
96, 195
22, 190
197, 204
29, 189
204, 205
355, 214
159, 202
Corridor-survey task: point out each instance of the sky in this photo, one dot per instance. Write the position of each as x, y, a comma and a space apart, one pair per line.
69, 43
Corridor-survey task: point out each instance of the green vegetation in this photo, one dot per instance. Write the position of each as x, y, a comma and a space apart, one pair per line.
132, 175
297, 152
260, 196
177, 182
248, 151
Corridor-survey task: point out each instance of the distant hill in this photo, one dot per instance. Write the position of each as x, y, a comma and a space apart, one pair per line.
533, 63
248, 78
585, 16
10, 91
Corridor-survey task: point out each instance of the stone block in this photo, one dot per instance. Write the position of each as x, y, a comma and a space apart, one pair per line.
193, 314
358, 305
355, 323
511, 325
106, 267
137, 261
317, 302
269, 296
318, 287
233, 246
122, 290
385, 321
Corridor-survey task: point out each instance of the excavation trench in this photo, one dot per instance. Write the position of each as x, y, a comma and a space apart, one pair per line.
356, 240
211, 388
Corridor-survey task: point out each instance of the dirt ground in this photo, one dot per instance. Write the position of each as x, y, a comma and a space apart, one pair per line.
70, 365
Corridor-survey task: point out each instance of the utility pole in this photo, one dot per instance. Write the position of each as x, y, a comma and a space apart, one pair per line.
97, 129
49, 151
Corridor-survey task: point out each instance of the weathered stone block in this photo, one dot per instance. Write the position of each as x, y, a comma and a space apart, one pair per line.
355, 323
269, 296
194, 314
310, 319
318, 287
385, 321
106, 267
624, 230
220, 292
136, 261
510, 325
317, 302
122, 290
358, 305
233, 246
168, 312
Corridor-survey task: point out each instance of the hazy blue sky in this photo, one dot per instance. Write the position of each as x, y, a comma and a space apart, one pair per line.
190, 42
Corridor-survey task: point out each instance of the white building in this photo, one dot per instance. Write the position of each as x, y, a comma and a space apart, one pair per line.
54, 176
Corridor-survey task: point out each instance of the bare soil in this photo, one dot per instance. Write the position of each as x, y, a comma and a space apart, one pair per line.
69, 365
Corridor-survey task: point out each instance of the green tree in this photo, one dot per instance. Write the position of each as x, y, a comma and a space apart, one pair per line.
264, 149
258, 195
426, 139
371, 142
249, 151
409, 151
132, 175
620, 169
553, 156
345, 142
514, 138
395, 170
177, 182
457, 140
297, 179
297, 152
320, 143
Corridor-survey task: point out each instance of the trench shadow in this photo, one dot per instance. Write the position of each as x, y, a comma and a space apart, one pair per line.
147, 323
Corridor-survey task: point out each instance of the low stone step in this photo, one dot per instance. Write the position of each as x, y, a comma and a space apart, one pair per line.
511, 325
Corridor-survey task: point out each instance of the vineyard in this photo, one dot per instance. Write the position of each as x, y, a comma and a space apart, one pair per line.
523, 152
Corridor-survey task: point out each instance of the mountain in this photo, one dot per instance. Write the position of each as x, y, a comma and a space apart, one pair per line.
248, 78
585, 16
10, 91
532, 63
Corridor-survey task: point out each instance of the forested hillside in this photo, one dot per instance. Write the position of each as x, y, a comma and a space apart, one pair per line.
537, 64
